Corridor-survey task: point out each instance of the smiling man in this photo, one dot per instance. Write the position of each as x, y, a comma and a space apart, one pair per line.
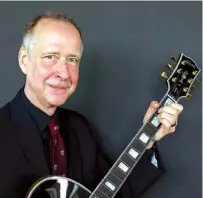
39, 138
50, 59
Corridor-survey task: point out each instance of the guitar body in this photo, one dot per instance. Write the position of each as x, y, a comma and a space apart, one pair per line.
58, 187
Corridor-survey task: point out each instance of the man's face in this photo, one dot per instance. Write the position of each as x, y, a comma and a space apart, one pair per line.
52, 68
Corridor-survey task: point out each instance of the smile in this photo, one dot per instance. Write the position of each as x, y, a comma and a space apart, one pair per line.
58, 90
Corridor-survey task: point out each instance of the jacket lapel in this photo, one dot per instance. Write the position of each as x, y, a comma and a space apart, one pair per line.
31, 143
29, 138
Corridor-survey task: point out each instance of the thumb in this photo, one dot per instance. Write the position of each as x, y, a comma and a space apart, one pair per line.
151, 109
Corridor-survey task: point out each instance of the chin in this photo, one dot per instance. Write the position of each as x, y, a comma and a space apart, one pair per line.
57, 101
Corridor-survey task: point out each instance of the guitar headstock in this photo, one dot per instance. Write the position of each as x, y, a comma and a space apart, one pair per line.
182, 78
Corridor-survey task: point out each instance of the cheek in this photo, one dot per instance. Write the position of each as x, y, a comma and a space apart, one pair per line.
45, 74
41, 74
74, 75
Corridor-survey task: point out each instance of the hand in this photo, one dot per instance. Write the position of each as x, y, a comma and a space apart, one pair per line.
168, 117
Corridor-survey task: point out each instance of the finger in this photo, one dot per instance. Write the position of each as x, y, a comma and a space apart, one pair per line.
166, 123
162, 131
168, 109
166, 127
152, 108
172, 119
154, 105
178, 107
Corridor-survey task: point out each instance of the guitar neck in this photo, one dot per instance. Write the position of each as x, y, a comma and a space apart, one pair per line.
121, 169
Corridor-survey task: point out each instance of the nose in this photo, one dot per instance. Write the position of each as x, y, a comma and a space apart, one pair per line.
63, 70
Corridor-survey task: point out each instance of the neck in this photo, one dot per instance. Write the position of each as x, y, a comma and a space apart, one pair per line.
48, 109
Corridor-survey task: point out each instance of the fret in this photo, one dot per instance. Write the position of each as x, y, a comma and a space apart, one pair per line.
116, 176
106, 190
149, 129
138, 145
127, 160
100, 194
143, 137
168, 100
132, 152
154, 121
113, 179
118, 172
122, 166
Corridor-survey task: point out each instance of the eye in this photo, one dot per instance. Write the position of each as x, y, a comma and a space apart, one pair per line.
73, 60
50, 57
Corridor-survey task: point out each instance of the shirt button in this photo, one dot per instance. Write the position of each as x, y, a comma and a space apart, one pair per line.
62, 152
56, 127
55, 166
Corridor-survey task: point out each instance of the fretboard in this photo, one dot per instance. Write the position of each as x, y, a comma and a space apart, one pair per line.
123, 166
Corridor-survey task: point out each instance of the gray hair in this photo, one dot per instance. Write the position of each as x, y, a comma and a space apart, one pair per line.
27, 42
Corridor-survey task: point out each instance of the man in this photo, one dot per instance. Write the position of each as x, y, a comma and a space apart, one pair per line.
49, 57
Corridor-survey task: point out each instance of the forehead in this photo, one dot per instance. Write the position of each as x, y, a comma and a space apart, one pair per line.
59, 36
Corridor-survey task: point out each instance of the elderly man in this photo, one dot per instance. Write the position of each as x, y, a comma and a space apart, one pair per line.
49, 57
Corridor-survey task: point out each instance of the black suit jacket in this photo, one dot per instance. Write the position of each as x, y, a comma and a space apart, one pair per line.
23, 159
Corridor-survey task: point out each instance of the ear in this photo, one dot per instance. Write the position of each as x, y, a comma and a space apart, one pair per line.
23, 59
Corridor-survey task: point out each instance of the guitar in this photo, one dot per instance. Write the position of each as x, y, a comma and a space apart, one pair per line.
180, 82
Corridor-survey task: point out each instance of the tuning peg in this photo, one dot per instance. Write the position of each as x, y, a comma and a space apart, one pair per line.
190, 80
174, 79
194, 73
164, 75
188, 96
179, 71
183, 63
185, 89
174, 58
170, 67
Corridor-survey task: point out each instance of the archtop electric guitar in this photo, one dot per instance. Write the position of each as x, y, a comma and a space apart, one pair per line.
179, 83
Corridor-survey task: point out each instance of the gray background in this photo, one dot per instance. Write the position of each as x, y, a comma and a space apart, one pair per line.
127, 46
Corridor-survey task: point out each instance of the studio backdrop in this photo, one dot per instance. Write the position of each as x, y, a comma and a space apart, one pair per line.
126, 47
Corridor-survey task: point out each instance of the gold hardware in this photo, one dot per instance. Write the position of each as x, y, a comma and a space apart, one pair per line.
174, 58
164, 75
190, 80
188, 96
179, 71
185, 89
174, 79
183, 63
170, 67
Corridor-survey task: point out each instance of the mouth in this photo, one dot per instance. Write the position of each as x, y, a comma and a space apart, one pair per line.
59, 90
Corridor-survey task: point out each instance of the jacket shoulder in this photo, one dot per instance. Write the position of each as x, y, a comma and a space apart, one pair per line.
5, 114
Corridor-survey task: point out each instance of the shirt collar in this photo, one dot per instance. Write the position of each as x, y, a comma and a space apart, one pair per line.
40, 118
